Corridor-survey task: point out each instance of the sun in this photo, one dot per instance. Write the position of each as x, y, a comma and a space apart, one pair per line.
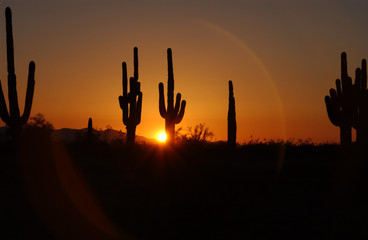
162, 137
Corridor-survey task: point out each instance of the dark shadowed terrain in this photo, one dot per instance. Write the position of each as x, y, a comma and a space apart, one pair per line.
89, 189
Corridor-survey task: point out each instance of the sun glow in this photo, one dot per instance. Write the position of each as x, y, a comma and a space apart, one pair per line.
162, 137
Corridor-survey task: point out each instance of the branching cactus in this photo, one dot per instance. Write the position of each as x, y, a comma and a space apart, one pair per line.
342, 104
172, 114
362, 123
12, 118
131, 103
231, 119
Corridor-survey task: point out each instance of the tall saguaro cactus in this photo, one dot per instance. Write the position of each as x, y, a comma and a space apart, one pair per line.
131, 103
231, 119
12, 118
362, 123
172, 114
342, 104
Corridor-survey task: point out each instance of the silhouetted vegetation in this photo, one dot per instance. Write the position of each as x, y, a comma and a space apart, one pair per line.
12, 118
131, 103
199, 134
90, 185
270, 189
172, 114
347, 105
231, 118
90, 129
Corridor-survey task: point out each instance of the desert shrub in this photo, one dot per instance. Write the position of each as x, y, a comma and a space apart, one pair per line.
199, 134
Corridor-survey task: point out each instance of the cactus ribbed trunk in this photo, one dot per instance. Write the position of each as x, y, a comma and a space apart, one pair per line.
231, 119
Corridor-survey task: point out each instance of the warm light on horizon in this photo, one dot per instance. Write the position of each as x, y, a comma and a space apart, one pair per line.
162, 137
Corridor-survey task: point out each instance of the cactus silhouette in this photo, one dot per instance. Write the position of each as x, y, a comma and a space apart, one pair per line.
131, 103
362, 123
172, 114
231, 118
342, 104
13, 119
89, 130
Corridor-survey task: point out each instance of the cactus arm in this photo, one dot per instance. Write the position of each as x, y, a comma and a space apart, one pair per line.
136, 63
132, 96
181, 113
332, 111
161, 104
338, 88
4, 115
364, 75
29, 94
170, 81
132, 85
124, 106
125, 79
358, 80
139, 109
177, 104
344, 66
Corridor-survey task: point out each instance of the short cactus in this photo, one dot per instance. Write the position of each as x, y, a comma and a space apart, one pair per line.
13, 119
89, 129
131, 103
231, 118
172, 114
342, 104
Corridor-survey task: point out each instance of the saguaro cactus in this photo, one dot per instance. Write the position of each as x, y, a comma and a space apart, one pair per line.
172, 114
362, 123
231, 119
342, 104
12, 118
131, 103
89, 130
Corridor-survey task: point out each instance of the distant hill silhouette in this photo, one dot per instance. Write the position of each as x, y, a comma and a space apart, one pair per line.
70, 135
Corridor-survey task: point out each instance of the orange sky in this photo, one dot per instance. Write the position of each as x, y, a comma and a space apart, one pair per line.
282, 56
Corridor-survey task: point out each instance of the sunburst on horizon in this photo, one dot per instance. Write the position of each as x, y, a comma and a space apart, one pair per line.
162, 137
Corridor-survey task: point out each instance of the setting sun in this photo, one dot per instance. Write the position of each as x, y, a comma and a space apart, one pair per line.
162, 137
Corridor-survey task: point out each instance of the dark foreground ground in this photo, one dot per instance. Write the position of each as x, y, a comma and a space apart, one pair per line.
87, 190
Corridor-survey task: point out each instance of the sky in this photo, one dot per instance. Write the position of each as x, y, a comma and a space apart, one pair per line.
282, 56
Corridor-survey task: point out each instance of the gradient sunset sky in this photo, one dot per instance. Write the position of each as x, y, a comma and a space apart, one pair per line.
282, 56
